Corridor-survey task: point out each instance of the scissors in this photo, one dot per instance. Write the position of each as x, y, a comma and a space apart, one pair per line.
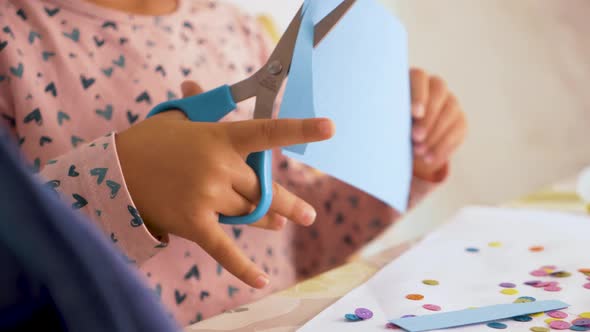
264, 85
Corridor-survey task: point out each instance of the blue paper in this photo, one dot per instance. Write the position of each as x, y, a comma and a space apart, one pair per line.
361, 82
298, 98
475, 316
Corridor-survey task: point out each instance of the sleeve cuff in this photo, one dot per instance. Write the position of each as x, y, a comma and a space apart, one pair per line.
91, 179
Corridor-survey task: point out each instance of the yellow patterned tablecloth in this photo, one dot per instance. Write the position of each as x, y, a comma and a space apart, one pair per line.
288, 310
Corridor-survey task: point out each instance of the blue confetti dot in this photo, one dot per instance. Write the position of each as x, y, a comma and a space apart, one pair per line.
523, 318
496, 325
352, 317
472, 249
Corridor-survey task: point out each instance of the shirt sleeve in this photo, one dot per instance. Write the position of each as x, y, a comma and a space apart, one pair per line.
90, 179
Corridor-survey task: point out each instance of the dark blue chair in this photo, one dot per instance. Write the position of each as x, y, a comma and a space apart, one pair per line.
57, 271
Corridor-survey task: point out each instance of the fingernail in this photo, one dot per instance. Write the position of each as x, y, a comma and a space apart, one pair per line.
420, 150
418, 110
325, 127
261, 282
419, 134
309, 216
428, 159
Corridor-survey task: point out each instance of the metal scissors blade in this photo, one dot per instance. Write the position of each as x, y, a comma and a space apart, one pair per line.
266, 83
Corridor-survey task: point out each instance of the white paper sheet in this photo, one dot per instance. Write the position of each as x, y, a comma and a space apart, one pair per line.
472, 279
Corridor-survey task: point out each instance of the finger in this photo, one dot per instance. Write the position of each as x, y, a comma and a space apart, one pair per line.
259, 135
219, 245
284, 202
447, 117
272, 221
419, 90
437, 91
234, 204
190, 88
441, 153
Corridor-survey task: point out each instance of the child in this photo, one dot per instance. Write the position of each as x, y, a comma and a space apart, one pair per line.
77, 78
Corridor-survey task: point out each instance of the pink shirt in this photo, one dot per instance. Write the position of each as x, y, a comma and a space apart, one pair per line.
72, 74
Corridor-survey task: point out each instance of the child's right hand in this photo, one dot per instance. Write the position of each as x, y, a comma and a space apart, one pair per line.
183, 174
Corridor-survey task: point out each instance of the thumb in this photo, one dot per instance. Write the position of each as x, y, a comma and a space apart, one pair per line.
190, 88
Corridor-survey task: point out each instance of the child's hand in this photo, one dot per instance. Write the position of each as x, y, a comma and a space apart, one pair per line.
183, 174
439, 125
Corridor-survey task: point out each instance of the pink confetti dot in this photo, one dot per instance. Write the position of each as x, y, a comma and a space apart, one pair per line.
391, 326
539, 273
557, 314
587, 286
552, 289
431, 307
559, 325
542, 284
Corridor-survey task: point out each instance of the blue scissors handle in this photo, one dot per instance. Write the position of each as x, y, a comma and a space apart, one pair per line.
212, 106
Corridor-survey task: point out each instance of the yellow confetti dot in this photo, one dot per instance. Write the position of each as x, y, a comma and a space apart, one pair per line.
584, 315
549, 270
550, 319
537, 314
495, 244
539, 329
430, 282
509, 291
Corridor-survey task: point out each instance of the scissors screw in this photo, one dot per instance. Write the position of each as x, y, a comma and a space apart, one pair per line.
275, 68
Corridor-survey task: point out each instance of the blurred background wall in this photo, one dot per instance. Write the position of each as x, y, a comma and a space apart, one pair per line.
522, 72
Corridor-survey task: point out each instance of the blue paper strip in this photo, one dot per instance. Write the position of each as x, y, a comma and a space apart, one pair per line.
298, 102
475, 316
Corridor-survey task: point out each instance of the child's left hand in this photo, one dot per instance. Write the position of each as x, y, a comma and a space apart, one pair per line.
439, 125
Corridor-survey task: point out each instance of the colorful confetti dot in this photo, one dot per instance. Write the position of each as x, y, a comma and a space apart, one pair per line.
539, 329
495, 244
472, 249
430, 282
509, 291
523, 318
524, 299
557, 314
431, 307
408, 316
391, 326
549, 320
537, 248
537, 314
584, 315
352, 317
587, 286
581, 321
414, 297
539, 273
532, 282
579, 328
560, 325
507, 285
363, 313
497, 325
552, 288
560, 274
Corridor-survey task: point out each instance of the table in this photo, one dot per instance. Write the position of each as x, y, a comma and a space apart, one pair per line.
290, 309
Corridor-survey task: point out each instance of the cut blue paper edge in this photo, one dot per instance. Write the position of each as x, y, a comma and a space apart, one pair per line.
298, 101
476, 316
